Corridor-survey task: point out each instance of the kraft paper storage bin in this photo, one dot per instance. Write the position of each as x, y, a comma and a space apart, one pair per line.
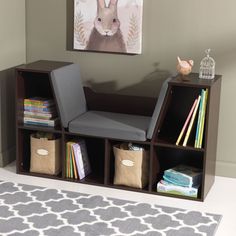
45, 155
131, 167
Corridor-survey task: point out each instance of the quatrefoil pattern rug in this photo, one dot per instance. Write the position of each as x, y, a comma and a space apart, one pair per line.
36, 211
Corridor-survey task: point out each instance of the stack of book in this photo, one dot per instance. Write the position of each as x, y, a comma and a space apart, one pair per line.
40, 111
181, 180
77, 161
198, 109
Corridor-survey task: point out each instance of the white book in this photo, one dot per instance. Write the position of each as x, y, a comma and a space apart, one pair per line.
78, 160
36, 121
81, 159
165, 187
86, 162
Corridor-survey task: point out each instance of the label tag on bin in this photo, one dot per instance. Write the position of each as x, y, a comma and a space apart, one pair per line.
42, 152
128, 163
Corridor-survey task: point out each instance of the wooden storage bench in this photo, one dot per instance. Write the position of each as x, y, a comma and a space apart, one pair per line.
154, 123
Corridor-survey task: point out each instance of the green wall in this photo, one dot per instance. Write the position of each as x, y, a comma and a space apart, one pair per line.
12, 53
12, 28
182, 28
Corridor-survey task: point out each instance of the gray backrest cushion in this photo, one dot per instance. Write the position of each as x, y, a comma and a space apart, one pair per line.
157, 109
68, 89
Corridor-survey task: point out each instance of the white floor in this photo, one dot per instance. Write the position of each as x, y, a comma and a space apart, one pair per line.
220, 200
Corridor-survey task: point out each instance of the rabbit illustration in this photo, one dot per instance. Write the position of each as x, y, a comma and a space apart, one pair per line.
106, 34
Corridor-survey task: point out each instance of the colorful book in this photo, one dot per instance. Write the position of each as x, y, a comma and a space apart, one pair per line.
165, 187
86, 163
77, 162
183, 175
186, 123
68, 154
71, 169
37, 124
81, 158
40, 109
38, 101
38, 106
38, 117
78, 159
203, 119
74, 169
71, 165
67, 160
197, 136
44, 115
191, 122
35, 121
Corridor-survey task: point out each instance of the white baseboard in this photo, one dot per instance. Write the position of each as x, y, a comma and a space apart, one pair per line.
226, 169
7, 156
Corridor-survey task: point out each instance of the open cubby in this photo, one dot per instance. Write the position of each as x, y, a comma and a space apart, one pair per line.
170, 157
34, 79
31, 84
96, 154
36, 86
180, 102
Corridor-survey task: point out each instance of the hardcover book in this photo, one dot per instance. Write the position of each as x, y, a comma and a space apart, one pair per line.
43, 122
183, 175
200, 114
166, 187
38, 101
191, 122
81, 158
203, 119
39, 109
186, 122
43, 115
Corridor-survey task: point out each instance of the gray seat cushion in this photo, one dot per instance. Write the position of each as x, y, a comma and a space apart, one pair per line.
111, 125
68, 89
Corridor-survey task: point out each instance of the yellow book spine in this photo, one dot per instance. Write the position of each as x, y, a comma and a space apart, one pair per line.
69, 160
191, 122
186, 123
203, 120
71, 165
73, 160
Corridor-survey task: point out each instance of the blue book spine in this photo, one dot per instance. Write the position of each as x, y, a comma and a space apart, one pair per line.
37, 109
38, 123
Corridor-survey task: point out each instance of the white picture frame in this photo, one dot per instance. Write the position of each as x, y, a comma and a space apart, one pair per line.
113, 26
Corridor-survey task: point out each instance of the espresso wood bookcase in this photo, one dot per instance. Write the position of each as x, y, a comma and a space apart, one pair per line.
34, 80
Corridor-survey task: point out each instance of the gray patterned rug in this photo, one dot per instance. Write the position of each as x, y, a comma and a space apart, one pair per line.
36, 211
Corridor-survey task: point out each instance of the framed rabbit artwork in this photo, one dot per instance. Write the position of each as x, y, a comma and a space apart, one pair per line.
113, 26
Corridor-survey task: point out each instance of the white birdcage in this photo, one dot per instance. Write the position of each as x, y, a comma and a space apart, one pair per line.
207, 67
